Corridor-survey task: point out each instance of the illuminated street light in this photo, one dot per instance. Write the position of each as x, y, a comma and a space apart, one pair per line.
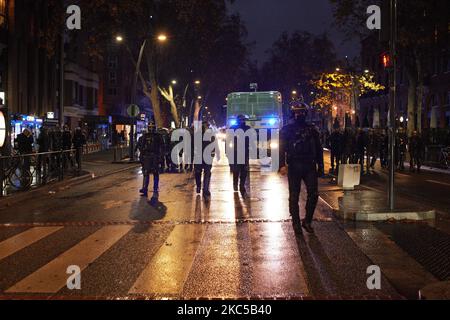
338, 69
174, 82
119, 39
294, 92
199, 97
366, 71
162, 38
197, 82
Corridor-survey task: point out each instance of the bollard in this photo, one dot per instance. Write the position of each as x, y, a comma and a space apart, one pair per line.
61, 165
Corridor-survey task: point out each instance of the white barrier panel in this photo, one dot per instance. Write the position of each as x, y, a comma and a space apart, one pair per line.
349, 176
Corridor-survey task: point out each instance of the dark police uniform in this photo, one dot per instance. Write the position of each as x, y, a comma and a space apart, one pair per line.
301, 149
152, 148
140, 146
240, 170
336, 152
204, 168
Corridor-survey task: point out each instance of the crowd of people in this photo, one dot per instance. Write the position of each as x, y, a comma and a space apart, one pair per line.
367, 146
47, 143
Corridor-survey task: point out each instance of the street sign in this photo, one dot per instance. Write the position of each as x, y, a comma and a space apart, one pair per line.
133, 110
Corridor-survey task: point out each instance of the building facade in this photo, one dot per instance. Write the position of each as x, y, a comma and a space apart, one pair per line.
434, 109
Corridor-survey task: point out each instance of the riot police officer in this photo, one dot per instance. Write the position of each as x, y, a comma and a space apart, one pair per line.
301, 152
152, 148
206, 166
335, 146
240, 170
139, 147
415, 152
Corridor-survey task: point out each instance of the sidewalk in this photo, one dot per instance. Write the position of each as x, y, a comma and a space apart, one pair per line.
405, 250
102, 163
94, 166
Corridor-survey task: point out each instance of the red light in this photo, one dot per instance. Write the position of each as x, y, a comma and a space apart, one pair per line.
386, 60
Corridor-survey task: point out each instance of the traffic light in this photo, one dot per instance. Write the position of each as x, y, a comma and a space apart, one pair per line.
386, 60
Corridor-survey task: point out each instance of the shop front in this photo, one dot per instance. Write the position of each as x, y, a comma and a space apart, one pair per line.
19, 122
98, 130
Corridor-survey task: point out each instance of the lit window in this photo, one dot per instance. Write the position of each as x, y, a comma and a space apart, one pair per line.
2, 12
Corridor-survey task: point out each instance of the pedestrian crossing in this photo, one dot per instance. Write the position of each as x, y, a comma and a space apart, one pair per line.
194, 260
52, 277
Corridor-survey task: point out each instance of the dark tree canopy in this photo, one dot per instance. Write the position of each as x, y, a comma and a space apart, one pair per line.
294, 60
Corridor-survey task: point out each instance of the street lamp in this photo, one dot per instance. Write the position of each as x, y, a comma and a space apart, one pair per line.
338, 69
174, 82
120, 39
294, 93
197, 82
162, 37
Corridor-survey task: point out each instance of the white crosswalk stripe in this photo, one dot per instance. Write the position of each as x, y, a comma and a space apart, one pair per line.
24, 239
169, 268
52, 277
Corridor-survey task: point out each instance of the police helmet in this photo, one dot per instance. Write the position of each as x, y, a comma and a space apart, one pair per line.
299, 109
151, 126
241, 118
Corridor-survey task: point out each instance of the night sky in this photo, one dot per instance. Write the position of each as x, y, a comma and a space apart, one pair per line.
267, 19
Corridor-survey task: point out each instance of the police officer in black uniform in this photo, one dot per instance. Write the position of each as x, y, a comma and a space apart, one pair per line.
240, 170
152, 149
139, 147
301, 151
205, 167
335, 146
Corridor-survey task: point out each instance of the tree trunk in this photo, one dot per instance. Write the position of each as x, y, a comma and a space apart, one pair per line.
174, 111
411, 102
154, 98
153, 94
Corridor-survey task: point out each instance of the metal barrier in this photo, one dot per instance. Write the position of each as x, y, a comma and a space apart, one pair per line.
437, 156
22, 172
121, 152
92, 148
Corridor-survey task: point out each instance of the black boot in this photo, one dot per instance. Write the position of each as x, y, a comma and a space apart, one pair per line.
307, 226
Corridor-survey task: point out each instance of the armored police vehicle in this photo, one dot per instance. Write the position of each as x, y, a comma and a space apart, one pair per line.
264, 110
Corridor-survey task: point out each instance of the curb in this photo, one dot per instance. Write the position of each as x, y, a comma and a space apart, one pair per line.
436, 291
384, 215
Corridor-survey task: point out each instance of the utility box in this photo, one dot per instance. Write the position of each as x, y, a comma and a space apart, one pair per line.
349, 176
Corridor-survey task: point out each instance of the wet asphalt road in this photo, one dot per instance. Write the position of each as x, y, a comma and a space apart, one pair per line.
178, 247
